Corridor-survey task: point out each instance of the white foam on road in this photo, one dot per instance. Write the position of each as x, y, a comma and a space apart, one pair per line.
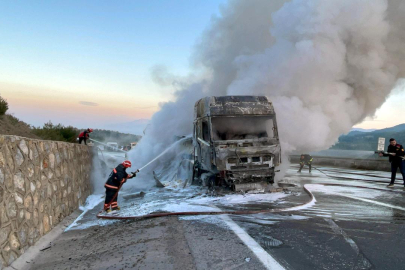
176, 200
242, 199
332, 191
91, 202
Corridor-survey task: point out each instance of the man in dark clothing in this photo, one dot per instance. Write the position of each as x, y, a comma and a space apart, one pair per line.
117, 178
85, 135
396, 153
305, 160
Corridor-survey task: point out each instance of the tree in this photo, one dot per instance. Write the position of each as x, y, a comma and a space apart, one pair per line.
3, 106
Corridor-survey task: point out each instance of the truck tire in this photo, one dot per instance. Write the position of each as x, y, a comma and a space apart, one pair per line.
196, 179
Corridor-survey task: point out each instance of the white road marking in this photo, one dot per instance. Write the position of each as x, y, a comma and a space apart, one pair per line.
268, 261
374, 202
356, 198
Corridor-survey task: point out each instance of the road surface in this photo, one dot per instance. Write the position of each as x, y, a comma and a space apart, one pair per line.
346, 228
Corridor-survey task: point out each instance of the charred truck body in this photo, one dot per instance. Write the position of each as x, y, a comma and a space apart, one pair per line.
235, 141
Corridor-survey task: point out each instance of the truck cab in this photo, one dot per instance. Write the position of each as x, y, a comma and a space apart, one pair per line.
235, 141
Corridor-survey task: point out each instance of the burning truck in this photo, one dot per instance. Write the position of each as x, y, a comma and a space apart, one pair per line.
235, 142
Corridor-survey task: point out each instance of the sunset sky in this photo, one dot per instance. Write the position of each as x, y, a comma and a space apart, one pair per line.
88, 63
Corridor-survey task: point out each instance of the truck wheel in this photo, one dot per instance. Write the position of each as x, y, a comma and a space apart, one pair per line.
196, 175
270, 180
211, 181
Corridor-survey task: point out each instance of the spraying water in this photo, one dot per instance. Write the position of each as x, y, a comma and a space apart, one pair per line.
165, 151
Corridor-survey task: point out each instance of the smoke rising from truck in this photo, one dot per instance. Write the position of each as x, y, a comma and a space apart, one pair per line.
325, 65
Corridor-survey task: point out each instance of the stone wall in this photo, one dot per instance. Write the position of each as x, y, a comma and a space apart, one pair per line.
41, 182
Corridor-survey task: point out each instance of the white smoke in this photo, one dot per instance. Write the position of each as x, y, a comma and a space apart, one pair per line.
328, 70
326, 66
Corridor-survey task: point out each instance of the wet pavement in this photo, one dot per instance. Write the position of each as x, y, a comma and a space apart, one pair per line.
359, 225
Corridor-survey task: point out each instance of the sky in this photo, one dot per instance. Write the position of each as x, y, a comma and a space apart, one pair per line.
391, 113
88, 63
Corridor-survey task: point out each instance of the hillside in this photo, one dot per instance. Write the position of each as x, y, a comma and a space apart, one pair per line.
10, 125
357, 140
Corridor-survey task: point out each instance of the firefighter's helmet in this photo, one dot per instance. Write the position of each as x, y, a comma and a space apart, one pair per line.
127, 164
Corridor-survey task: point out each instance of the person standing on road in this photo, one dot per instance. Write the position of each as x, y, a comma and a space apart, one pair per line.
116, 179
396, 153
305, 160
85, 135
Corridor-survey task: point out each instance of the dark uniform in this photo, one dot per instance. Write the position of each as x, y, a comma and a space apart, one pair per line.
117, 177
396, 161
305, 160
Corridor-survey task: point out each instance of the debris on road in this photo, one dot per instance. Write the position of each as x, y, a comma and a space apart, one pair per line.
158, 183
134, 196
48, 247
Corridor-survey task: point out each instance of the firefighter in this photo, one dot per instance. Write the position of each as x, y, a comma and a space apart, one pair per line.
85, 135
396, 153
305, 159
116, 179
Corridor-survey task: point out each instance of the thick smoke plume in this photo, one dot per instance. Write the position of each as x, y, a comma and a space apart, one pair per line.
329, 68
326, 65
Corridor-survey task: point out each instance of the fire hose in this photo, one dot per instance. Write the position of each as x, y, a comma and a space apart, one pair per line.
239, 212
235, 212
146, 165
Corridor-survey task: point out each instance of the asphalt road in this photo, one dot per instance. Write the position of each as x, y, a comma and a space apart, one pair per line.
347, 228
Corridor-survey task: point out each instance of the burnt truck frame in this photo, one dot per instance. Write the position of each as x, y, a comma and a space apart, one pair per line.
235, 141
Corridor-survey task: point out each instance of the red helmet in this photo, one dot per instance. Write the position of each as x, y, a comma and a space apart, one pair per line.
127, 164
90, 129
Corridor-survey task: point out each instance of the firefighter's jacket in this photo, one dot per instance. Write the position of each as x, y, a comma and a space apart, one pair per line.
398, 150
117, 176
84, 134
306, 159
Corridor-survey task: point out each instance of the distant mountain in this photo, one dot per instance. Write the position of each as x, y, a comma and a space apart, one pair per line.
134, 127
398, 128
121, 138
367, 141
362, 130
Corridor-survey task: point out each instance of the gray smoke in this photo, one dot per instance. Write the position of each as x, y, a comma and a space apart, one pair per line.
326, 65
161, 75
329, 68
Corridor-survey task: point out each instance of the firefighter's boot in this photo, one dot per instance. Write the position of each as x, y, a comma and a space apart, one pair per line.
107, 208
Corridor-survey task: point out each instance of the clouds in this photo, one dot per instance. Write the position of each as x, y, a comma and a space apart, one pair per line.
88, 103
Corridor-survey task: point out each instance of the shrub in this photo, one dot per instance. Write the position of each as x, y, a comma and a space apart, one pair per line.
3, 106
56, 132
